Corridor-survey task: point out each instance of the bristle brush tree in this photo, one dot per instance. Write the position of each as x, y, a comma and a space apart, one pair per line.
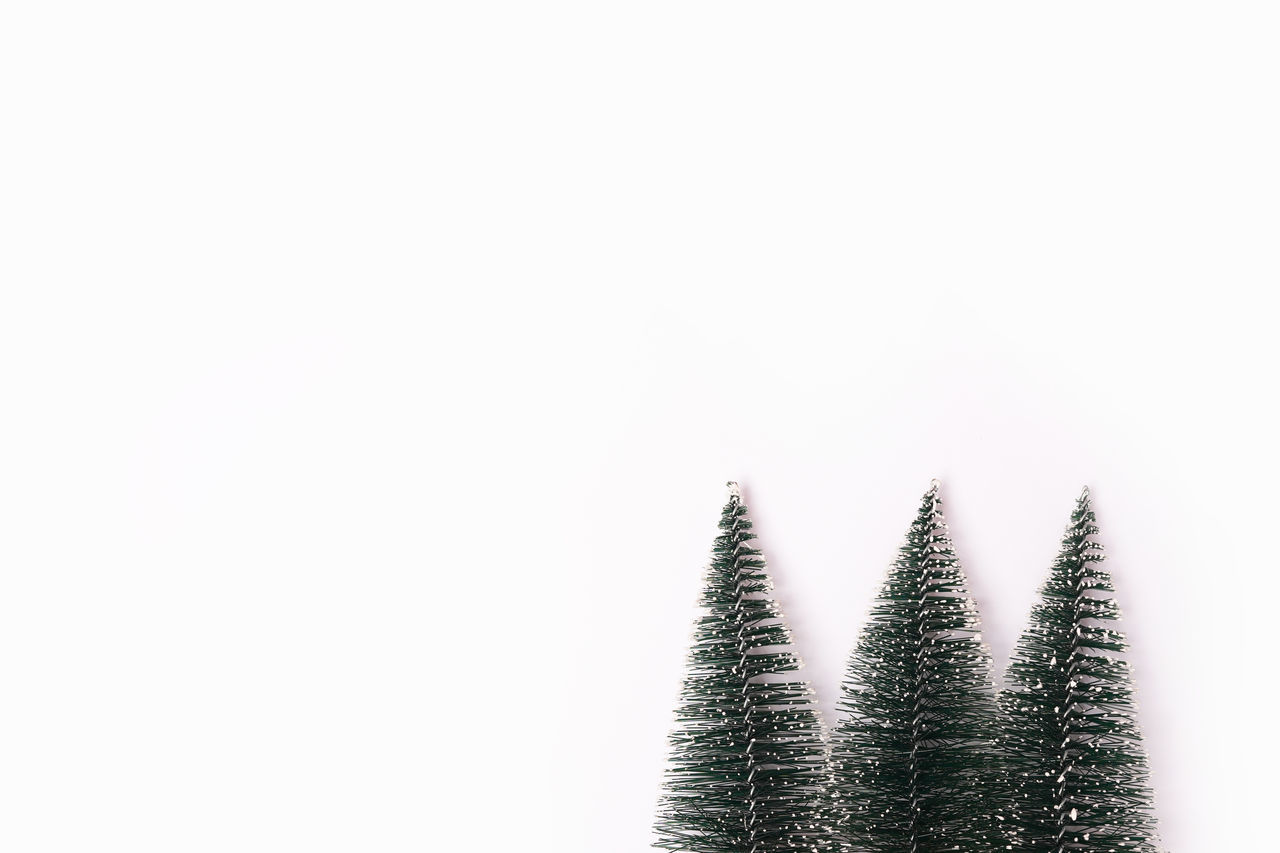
1077, 770
748, 768
914, 756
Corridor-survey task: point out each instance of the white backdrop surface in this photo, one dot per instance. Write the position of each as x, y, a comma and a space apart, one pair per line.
371, 374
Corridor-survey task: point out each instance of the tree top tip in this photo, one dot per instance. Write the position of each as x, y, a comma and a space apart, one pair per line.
734, 491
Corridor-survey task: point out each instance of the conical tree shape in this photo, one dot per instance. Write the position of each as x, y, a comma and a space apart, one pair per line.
913, 757
748, 759
1078, 771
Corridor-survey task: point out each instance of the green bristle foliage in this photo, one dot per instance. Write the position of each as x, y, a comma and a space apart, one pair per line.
1077, 770
914, 756
748, 768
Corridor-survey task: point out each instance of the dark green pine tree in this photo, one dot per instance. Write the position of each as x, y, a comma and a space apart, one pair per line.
1078, 773
913, 758
748, 759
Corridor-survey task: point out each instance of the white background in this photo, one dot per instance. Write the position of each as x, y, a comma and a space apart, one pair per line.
371, 373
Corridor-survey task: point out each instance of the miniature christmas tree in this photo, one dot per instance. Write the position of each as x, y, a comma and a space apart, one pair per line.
1078, 774
913, 760
748, 765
